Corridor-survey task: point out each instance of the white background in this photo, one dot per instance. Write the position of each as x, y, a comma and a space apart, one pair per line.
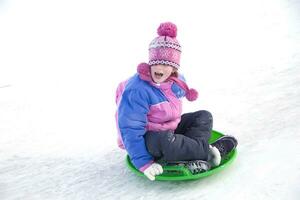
61, 61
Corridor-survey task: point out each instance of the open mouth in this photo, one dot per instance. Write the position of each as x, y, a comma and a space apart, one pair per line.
158, 75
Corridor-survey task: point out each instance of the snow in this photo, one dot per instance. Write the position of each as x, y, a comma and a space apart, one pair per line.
60, 62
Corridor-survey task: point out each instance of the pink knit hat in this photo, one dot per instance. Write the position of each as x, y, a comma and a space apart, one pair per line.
165, 49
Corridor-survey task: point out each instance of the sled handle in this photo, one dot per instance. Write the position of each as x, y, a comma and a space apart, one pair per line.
178, 170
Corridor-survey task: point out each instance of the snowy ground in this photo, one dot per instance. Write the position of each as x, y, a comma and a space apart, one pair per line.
58, 65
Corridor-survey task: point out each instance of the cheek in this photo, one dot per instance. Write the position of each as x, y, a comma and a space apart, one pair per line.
169, 72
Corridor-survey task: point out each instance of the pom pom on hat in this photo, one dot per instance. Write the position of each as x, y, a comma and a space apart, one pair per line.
191, 94
167, 29
143, 68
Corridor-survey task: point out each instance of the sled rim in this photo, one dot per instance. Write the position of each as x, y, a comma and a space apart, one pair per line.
180, 173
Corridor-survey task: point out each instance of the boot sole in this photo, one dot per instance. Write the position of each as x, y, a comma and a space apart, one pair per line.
228, 137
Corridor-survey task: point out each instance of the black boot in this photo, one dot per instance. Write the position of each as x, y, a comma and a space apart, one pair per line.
225, 144
198, 166
195, 166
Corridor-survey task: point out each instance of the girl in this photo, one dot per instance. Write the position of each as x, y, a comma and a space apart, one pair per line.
149, 117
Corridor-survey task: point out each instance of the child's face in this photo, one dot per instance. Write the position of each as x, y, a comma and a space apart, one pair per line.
160, 73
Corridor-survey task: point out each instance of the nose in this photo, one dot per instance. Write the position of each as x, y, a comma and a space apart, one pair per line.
160, 67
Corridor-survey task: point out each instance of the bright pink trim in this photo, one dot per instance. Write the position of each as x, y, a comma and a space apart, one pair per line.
119, 92
142, 169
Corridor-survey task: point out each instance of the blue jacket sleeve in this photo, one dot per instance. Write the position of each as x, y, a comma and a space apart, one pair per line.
132, 120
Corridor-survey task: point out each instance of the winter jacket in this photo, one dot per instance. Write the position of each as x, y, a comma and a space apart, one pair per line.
145, 106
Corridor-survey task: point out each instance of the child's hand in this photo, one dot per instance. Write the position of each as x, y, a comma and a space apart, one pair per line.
153, 170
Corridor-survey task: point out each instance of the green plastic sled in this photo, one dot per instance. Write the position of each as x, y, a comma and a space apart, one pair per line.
180, 173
